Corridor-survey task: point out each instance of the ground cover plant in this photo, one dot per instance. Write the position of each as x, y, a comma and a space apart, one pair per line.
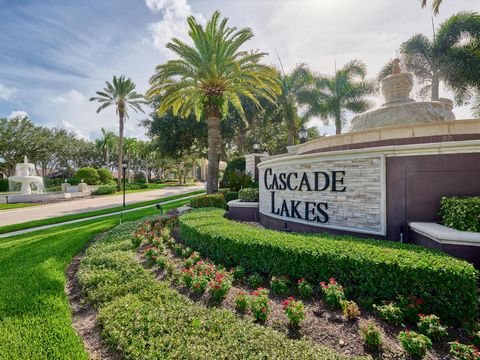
35, 318
84, 215
373, 269
145, 318
461, 213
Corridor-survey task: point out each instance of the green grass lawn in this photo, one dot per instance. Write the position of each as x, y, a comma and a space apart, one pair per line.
35, 321
60, 219
16, 206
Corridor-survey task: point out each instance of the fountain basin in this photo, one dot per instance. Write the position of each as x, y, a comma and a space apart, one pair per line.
26, 181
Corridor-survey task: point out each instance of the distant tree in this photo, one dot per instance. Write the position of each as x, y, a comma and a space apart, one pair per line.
435, 5
332, 96
209, 76
452, 56
17, 139
106, 143
294, 92
122, 95
130, 147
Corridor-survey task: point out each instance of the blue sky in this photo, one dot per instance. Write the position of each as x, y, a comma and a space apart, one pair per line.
56, 53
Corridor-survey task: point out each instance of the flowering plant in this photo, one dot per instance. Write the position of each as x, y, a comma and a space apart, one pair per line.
350, 310
255, 280
430, 326
294, 310
332, 293
390, 312
280, 284
416, 345
305, 289
259, 304
199, 284
371, 335
187, 277
463, 351
161, 262
410, 306
238, 274
219, 286
241, 301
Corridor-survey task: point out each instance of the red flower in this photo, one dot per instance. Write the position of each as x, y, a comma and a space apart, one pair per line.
322, 284
301, 280
419, 301
332, 281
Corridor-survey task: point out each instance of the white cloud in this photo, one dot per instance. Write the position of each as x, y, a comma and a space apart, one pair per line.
173, 23
73, 96
6, 93
19, 114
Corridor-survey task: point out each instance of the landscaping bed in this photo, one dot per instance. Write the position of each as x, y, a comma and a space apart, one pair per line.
144, 318
371, 271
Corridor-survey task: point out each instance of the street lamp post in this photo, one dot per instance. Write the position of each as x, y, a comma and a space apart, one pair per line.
302, 134
256, 147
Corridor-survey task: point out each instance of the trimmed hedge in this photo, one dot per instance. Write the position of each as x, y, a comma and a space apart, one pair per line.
3, 185
461, 213
145, 319
248, 195
212, 200
105, 190
369, 269
231, 195
89, 175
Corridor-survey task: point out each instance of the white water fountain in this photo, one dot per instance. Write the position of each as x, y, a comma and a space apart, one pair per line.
25, 174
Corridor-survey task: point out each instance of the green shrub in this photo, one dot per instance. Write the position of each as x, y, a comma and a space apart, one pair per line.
415, 345
255, 280
294, 311
259, 304
248, 195
89, 176
351, 311
234, 164
215, 200
371, 335
280, 284
144, 318
223, 191
378, 269
461, 213
136, 186
430, 325
242, 301
236, 180
105, 176
105, 190
333, 294
390, 312
305, 289
231, 195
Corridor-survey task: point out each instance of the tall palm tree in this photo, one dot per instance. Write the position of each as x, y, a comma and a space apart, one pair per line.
121, 94
332, 96
209, 76
294, 86
130, 147
435, 5
452, 56
106, 143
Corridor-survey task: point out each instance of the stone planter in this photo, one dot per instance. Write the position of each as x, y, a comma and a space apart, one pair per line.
243, 211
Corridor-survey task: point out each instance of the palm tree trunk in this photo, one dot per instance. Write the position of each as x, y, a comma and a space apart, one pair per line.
338, 124
120, 149
435, 87
214, 144
291, 137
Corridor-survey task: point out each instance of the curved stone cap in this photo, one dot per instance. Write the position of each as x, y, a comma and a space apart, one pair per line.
403, 113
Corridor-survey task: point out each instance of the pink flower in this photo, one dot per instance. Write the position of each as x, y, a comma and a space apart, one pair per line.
332, 281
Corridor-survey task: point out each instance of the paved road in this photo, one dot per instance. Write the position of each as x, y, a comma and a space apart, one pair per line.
15, 216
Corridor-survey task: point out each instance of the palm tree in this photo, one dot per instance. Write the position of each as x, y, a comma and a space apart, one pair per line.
294, 86
452, 56
106, 143
130, 147
435, 5
121, 94
332, 96
209, 76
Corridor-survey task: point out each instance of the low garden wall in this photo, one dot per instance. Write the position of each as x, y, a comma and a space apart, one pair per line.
370, 270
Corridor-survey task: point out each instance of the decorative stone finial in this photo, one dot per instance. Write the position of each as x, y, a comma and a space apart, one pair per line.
396, 66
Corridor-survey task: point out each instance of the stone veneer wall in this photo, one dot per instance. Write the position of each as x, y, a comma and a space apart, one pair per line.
361, 208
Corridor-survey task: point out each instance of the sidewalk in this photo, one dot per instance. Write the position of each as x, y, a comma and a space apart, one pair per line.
16, 216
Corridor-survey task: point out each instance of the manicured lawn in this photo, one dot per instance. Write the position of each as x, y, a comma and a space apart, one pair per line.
35, 320
16, 206
60, 219
152, 187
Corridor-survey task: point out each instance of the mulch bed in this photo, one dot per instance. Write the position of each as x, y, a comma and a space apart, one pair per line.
322, 325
